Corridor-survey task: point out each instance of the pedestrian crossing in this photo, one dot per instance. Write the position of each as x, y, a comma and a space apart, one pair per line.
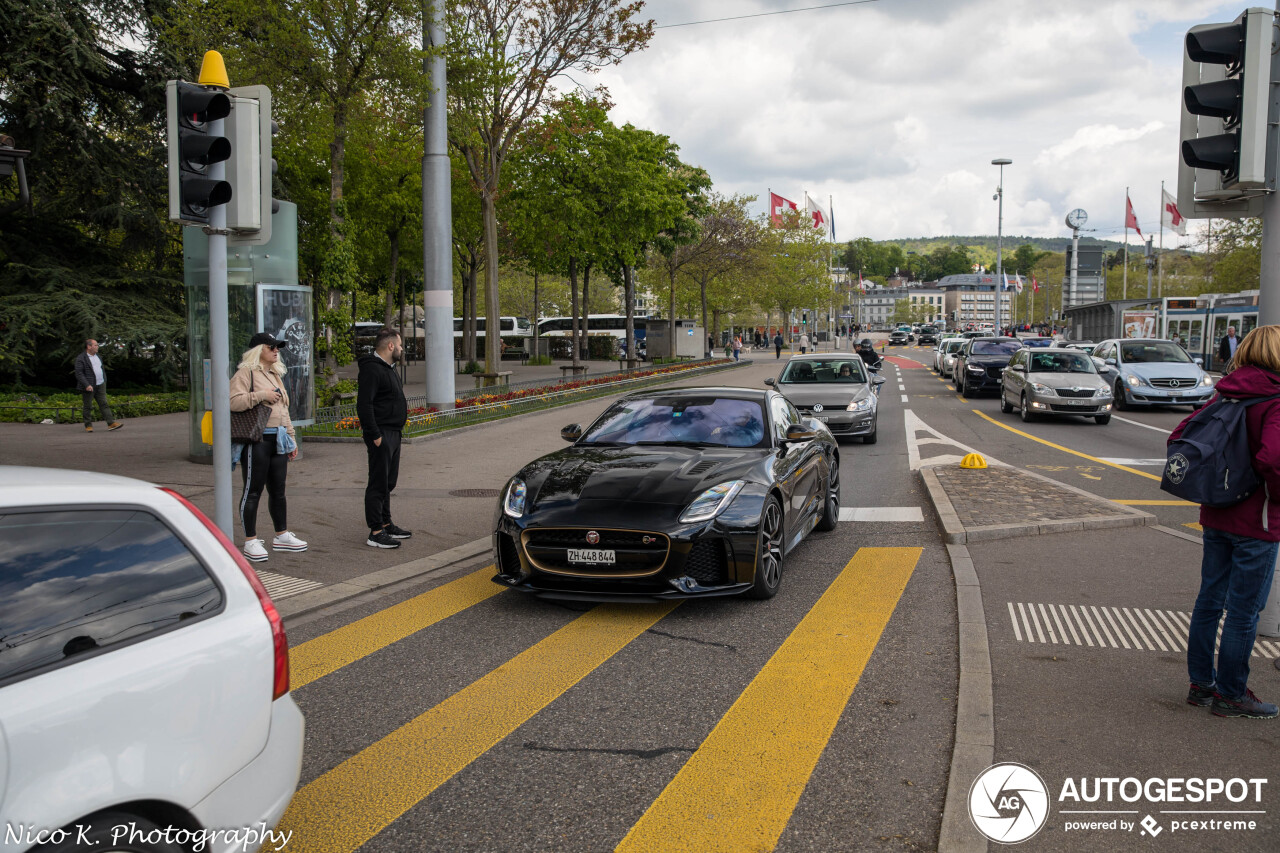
737, 790
283, 586
1131, 628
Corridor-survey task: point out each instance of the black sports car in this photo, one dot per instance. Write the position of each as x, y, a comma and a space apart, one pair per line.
671, 493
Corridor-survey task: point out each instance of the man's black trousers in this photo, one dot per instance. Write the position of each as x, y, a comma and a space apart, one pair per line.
384, 470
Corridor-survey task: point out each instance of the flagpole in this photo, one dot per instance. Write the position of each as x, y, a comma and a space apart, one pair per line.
1124, 289
831, 207
1160, 253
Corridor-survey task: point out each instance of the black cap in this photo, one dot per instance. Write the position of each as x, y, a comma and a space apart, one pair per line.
266, 338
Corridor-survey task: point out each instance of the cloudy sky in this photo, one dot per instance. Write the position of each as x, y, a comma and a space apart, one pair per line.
895, 108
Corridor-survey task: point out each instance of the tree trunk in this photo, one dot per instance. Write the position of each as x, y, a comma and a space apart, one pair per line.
493, 326
586, 310
629, 289
573, 312
715, 326
469, 307
391, 279
337, 147
536, 349
671, 303
702, 281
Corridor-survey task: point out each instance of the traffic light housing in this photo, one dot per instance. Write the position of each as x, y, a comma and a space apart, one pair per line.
251, 166
193, 148
1226, 99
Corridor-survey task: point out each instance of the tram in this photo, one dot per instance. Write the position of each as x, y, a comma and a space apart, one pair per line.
1200, 322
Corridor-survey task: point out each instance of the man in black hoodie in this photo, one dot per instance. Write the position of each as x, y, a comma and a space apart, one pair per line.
383, 411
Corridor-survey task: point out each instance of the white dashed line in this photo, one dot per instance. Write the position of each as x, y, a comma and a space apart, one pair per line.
1139, 423
1149, 629
881, 513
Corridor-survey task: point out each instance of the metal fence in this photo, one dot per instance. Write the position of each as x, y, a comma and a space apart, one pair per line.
328, 418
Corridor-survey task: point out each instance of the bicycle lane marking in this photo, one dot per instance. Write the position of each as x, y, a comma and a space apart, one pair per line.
1097, 459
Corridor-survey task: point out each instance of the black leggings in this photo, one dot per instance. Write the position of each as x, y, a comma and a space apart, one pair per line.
261, 465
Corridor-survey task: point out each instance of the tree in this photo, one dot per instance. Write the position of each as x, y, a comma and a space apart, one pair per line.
726, 242
793, 263
504, 56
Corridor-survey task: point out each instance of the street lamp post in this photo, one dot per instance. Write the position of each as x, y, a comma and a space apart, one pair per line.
1001, 162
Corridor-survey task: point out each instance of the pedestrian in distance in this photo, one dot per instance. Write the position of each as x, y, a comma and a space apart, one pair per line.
737, 348
804, 343
383, 411
92, 380
1227, 347
259, 380
1240, 545
777, 345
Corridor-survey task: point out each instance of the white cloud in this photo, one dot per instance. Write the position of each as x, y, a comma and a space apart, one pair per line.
896, 108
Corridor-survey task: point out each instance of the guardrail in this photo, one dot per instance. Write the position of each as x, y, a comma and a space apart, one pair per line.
329, 419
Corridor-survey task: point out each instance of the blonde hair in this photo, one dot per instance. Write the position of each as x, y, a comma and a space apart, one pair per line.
1261, 347
252, 359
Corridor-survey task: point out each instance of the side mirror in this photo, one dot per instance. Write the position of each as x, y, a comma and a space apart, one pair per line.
571, 433
799, 432
768, 382
1017, 367
878, 380
1098, 363
1110, 361
1199, 361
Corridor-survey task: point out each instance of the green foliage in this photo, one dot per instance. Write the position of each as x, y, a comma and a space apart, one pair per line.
67, 407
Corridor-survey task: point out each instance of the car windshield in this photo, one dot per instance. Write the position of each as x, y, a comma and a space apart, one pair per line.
1005, 347
1036, 343
1061, 362
1139, 352
804, 371
711, 421
955, 346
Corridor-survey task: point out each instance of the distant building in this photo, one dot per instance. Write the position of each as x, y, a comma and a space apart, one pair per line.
971, 298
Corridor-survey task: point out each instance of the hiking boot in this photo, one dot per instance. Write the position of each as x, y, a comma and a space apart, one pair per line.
88, 428
380, 539
288, 542
1247, 705
256, 550
396, 532
114, 425
1201, 696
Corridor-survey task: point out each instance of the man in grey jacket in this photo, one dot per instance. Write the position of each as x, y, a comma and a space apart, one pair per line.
93, 386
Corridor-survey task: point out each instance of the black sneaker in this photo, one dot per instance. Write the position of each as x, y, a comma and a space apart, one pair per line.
396, 532
1247, 705
1201, 696
380, 539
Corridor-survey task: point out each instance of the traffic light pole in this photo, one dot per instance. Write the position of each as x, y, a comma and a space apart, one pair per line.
218, 354
437, 222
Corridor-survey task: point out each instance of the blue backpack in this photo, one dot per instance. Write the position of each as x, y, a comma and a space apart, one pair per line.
1211, 463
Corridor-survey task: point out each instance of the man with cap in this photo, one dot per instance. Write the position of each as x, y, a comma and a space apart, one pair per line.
383, 412
93, 386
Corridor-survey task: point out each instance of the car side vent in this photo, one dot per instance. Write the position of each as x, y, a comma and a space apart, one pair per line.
702, 467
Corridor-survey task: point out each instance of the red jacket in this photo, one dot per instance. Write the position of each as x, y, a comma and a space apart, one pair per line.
1258, 515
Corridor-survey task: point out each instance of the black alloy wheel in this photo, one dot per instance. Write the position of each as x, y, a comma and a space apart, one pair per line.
831, 506
1005, 407
1121, 402
1025, 413
768, 551
870, 438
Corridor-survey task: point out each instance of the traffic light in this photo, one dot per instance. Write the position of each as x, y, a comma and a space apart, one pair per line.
193, 148
251, 166
804, 318
1226, 83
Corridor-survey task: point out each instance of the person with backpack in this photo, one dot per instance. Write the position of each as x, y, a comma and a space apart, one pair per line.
1241, 535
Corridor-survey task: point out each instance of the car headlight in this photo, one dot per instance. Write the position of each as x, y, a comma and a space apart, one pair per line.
864, 405
1104, 391
1207, 380
712, 502
513, 501
1041, 389
1133, 380
973, 368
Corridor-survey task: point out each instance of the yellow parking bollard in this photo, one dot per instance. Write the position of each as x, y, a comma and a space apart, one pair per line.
973, 460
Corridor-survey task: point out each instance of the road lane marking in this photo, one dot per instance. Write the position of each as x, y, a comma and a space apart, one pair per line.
1141, 424
738, 791
283, 586
904, 398
1152, 503
913, 425
1194, 525
1150, 629
881, 513
1117, 460
353, 802
336, 649
1065, 449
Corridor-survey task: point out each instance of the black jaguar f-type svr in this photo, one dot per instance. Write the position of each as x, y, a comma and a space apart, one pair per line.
671, 493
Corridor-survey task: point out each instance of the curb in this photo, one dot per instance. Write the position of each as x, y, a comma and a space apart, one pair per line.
975, 738
956, 533
298, 605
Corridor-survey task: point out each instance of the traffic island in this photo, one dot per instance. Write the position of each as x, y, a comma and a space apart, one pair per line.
1000, 502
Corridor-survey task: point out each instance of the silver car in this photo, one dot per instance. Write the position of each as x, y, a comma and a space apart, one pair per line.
1152, 371
1054, 381
945, 357
835, 388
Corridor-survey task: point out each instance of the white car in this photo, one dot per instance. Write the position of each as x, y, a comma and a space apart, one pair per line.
144, 673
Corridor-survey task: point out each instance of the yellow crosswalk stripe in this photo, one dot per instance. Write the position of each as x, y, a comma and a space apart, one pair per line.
330, 652
737, 792
353, 802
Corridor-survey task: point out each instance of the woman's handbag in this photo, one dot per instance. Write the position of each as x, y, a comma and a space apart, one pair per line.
247, 426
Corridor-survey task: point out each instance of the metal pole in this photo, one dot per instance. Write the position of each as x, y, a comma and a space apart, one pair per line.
1150, 264
1075, 268
219, 355
1001, 162
437, 219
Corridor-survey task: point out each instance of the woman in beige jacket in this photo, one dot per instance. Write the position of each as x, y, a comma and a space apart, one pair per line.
265, 463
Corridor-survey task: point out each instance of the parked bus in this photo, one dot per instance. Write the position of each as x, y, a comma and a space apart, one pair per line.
613, 325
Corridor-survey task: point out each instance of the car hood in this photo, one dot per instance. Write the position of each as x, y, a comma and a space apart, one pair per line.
673, 476
829, 394
985, 360
1068, 380
1167, 369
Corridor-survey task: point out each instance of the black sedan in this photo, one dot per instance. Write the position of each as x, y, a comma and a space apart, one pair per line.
898, 337
980, 365
671, 493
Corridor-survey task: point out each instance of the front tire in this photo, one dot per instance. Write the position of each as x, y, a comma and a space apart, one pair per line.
1122, 402
1102, 420
869, 438
768, 551
831, 505
1025, 410
99, 839
1005, 406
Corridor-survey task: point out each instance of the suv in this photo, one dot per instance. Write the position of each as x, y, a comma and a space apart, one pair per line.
1151, 371
898, 337
928, 335
980, 365
144, 673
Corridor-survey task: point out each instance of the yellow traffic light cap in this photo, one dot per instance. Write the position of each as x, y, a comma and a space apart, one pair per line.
213, 71
973, 460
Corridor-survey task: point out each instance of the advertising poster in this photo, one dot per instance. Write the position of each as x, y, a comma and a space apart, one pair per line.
1138, 324
285, 311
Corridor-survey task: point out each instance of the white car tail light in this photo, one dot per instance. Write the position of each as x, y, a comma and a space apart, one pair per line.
281, 679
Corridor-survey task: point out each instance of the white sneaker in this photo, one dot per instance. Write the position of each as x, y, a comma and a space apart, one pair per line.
256, 550
288, 542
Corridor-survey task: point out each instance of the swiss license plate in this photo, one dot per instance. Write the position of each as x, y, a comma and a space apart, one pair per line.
823, 418
1175, 393
592, 555
1080, 402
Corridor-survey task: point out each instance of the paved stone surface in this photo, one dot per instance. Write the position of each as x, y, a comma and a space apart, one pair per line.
983, 497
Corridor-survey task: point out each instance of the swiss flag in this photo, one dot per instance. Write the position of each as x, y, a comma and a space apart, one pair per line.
1171, 217
778, 205
1035, 285
1130, 221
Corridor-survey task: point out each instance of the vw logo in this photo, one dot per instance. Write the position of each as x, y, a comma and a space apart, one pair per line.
593, 538
817, 407
1008, 803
